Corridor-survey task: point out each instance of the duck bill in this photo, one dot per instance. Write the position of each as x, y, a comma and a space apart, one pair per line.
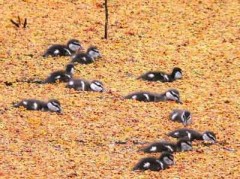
185, 123
80, 49
179, 101
213, 141
60, 112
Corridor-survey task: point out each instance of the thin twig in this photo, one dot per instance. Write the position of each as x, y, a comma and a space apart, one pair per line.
14, 23
106, 20
25, 23
19, 21
18, 24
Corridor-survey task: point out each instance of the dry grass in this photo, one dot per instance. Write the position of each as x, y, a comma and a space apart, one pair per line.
201, 37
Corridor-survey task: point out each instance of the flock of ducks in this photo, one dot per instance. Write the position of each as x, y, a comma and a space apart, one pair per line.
185, 136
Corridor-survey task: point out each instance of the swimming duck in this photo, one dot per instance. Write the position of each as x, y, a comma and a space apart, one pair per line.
33, 104
72, 47
182, 144
182, 116
155, 164
207, 136
169, 95
61, 75
162, 76
84, 85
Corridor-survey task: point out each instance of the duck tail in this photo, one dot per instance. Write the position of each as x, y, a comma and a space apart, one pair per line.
15, 104
135, 168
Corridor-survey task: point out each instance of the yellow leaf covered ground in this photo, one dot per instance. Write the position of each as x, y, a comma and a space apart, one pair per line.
201, 37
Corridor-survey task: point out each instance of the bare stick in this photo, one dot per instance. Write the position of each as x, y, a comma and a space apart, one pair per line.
19, 21
106, 20
15, 23
18, 24
25, 23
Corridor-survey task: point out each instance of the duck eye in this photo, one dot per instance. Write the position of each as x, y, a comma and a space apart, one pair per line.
55, 104
211, 137
174, 94
170, 157
75, 43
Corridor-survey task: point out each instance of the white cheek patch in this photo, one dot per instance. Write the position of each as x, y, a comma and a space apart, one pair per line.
168, 161
147, 96
178, 75
151, 75
146, 165
134, 97
207, 138
170, 96
25, 103
94, 87
52, 107
185, 147
174, 115
94, 54
72, 70
74, 47
91, 53
35, 105
153, 149
56, 52
68, 52
71, 83
97, 54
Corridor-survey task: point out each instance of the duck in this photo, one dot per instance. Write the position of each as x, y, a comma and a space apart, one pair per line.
61, 75
84, 85
86, 58
169, 95
182, 116
207, 136
52, 105
72, 47
182, 145
155, 164
162, 76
